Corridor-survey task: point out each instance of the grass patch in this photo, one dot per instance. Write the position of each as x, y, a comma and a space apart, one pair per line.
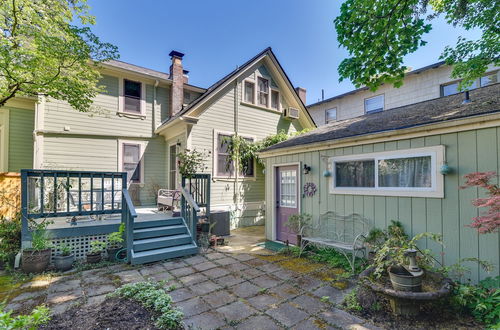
153, 297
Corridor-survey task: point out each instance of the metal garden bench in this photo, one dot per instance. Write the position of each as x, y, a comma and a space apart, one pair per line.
345, 233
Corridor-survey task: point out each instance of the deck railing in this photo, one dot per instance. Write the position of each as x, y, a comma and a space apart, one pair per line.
198, 185
128, 217
189, 211
60, 193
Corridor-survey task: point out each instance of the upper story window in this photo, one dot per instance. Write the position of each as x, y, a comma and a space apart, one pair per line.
263, 89
249, 92
488, 79
330, 115
224, 164
132, 91
132, 162
374, 104
275, 99
412, 172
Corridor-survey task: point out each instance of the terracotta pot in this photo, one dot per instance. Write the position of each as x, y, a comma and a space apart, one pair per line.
64, 263
35, 261
94, 258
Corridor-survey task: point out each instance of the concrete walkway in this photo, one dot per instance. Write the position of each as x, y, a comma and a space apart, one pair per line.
215, 290
246, 240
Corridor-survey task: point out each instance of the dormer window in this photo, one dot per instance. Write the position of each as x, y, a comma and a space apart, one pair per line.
132, 95
263, 96
374, 104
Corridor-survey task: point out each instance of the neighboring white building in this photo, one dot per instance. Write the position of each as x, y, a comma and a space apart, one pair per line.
423, 84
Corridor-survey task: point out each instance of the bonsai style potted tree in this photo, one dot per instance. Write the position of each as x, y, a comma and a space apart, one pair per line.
115, 242
64, 260
94, 255
37, 258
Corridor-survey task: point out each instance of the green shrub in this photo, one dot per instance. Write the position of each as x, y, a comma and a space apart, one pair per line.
10, 237
482, 300
115, 240
153, 297
40, 315
97, 247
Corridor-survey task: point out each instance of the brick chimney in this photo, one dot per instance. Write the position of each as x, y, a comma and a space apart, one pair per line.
302, 93
178, 80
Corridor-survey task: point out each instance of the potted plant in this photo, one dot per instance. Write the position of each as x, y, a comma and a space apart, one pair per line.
115, 242
37, 258
95, 253
298, 223
391, 257
64, 260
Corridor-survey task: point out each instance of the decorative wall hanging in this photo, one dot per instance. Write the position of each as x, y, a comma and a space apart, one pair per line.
309, 189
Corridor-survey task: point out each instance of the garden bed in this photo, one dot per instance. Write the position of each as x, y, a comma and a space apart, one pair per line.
112, 313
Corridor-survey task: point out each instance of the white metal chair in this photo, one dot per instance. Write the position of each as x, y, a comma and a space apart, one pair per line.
168, 199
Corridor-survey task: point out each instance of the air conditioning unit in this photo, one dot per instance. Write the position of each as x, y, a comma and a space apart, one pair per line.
291, 113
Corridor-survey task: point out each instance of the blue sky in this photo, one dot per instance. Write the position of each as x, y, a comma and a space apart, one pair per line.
218, 35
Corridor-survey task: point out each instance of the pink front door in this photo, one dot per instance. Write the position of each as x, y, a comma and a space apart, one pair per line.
287, 201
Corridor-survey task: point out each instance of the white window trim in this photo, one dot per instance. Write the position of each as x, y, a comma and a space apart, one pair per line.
271, 90
254, 91
437, 154
232, 176
268, 92
372, 97
176, 165
121, 98
4, 140
326, 115
142, 145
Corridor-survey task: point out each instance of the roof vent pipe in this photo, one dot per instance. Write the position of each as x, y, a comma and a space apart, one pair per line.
466, 98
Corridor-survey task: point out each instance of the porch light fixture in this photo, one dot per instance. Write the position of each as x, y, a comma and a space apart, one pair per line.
307, 169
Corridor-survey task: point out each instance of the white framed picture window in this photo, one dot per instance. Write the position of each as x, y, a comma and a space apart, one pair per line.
411, 172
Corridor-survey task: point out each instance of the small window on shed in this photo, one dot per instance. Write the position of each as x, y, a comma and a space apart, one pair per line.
374, 104
132, 95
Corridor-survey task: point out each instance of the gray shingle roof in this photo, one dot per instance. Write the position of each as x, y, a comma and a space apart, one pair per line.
138, 69
484, 100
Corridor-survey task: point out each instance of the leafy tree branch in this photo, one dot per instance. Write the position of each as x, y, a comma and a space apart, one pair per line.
43, 53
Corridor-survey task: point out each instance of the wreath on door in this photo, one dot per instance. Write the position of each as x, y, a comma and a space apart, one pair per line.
310, 189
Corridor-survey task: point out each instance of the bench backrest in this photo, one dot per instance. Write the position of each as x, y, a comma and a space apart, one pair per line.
341, 228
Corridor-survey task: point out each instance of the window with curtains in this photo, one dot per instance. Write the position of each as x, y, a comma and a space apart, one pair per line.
225, 166
131, 162
397, 173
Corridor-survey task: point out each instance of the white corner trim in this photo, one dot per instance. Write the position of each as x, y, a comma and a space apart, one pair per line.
4, 140
143, 145
436, 190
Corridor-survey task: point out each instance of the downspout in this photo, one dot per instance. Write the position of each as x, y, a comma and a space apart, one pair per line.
154, 106
236, 162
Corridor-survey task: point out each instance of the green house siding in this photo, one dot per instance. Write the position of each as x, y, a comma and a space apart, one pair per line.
21, 125
469, 151
227, 114
103, 119
101, 154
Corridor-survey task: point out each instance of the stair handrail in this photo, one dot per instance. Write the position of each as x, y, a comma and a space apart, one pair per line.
189, 211
128, 217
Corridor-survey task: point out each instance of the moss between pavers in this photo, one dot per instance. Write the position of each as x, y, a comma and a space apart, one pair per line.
300, 265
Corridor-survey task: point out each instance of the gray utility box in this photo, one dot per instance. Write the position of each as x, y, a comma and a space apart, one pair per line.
222, 223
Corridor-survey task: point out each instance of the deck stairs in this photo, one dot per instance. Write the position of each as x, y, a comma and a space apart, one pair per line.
156, 240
